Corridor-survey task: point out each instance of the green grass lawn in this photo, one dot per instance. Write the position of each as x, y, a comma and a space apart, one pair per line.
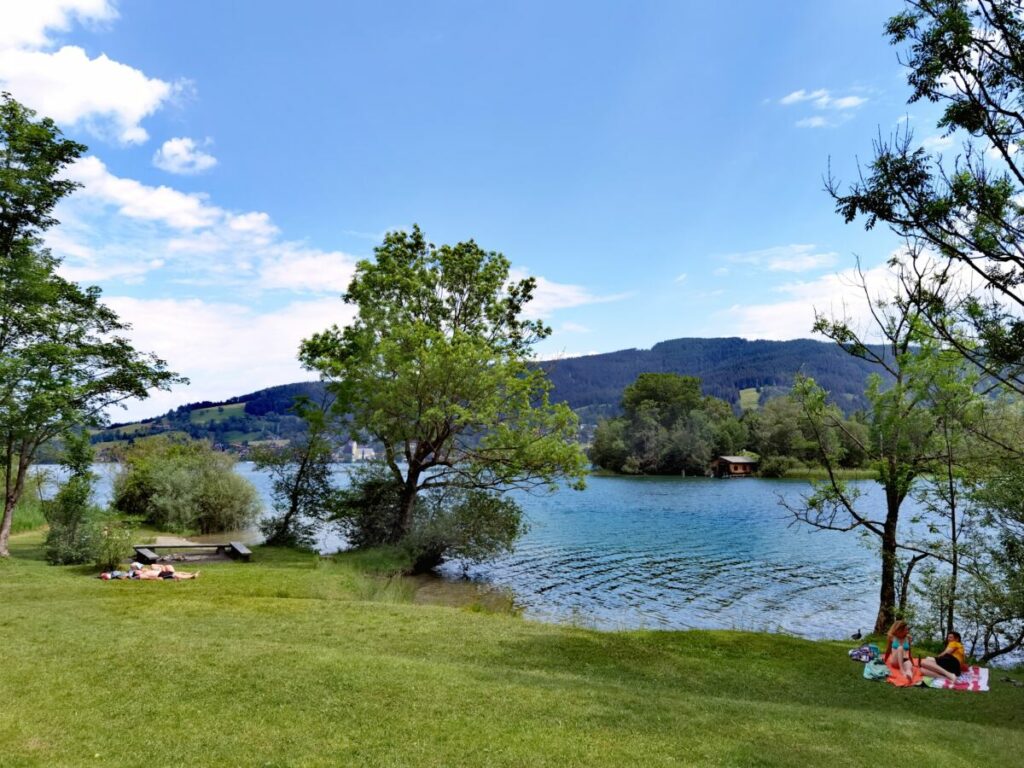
293, 660
216, 413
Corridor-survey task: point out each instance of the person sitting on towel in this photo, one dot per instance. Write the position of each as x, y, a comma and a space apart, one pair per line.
948, 664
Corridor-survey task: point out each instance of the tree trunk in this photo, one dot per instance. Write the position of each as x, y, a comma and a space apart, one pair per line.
11, 497
887, 590
5, 527
406, 505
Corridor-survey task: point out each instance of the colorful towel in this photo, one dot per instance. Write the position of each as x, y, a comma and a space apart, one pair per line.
897, 678
974, 678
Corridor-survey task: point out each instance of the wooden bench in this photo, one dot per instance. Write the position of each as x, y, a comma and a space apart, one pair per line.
146, 553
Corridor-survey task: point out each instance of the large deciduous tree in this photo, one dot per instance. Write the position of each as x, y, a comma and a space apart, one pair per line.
435, 368
63, 362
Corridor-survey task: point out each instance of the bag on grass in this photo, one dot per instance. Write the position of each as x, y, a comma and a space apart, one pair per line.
865, 653
876, 670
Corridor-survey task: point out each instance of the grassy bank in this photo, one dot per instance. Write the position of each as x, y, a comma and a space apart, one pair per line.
295, 660
820, 473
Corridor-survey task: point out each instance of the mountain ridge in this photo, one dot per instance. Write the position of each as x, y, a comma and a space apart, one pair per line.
591, 384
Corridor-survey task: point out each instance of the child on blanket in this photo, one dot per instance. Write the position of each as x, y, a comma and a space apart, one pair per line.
948, 664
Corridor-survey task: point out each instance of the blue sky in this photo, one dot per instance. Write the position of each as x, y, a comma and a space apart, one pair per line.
657, 165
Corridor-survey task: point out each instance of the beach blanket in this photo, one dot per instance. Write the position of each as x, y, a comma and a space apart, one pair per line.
897, 678
974, 678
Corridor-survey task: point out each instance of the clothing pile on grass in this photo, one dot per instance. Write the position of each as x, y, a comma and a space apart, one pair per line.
972, 678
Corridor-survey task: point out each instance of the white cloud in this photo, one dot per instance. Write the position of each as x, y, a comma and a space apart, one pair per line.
786, 258
136, 200
106, 97
823, 99
801, 95
214, 343
183, 156
681, 278
118, 228
549, 296
837, 295
25, 22
937, 143
812, 122
846, 102
301, 269
841, 107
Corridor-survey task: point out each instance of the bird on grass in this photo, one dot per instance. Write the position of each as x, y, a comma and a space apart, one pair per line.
856, 635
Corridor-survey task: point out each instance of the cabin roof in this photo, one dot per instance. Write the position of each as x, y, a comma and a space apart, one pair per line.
738, 459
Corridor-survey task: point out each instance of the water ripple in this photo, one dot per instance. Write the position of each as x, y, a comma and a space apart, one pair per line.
685, 553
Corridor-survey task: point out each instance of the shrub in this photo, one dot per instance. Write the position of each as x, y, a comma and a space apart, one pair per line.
184, 486
70, 538
111, 540
469, 526
367, 510
450, 524
777, 466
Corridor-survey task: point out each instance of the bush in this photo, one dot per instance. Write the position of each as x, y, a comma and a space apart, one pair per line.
469, 526
70, 538
111, 540
453, 524
367, 511
777, 466
184, 486
70, 513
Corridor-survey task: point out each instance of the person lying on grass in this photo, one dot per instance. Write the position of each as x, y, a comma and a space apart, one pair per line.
948, 664
150, 573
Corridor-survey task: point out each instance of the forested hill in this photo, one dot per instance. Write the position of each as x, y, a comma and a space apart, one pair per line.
591, 385
725, 366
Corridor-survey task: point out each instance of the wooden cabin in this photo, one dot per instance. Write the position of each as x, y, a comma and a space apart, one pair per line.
733, 466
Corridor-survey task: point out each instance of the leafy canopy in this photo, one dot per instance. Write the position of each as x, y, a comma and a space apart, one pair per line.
962, 219
435, 367
63, 357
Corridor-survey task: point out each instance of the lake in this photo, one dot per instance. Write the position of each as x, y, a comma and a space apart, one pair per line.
673, 553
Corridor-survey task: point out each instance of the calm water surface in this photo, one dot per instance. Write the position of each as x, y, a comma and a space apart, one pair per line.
673, 553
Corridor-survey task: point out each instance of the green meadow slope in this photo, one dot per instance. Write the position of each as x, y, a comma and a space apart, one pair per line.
294, 660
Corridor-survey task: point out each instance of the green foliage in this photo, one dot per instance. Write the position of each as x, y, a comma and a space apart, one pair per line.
447, 523
111, 538
29, 514
965, 56
435, 368
367, 511
667, 428
70, 514
469, 526
64, 360
777, 466
184, 486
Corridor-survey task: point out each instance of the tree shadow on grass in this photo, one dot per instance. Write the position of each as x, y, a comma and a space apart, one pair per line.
746, 667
